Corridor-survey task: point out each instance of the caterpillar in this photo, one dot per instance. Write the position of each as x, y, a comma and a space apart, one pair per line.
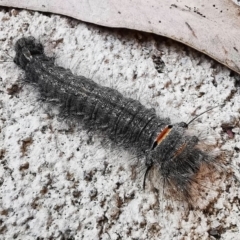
167, 149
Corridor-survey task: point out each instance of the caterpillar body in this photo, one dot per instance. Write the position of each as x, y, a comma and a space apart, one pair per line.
165, 147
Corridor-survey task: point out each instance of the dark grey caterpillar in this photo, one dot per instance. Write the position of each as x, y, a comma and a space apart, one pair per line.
166, 148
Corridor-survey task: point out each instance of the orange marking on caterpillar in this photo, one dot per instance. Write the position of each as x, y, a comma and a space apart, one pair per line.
163, 134
179, 150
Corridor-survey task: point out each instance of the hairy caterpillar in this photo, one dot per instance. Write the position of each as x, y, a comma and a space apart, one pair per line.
166, 148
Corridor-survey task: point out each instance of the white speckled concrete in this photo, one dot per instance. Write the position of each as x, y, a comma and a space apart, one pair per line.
57, 181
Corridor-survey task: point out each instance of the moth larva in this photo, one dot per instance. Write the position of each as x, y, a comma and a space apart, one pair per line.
176, 156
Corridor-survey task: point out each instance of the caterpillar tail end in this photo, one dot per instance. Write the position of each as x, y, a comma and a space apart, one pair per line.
25, 48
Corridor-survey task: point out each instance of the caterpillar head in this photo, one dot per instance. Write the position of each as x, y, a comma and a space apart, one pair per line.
178, 158
25, 48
